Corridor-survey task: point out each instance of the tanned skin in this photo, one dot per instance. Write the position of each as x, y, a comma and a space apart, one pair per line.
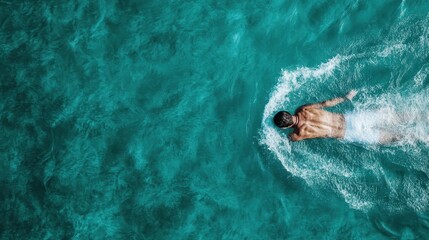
311, 121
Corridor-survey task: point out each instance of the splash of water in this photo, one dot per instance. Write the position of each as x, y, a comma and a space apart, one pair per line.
290, 81
360, 174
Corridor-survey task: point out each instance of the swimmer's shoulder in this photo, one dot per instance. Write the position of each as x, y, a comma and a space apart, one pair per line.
295, 137
300, 108
304, 108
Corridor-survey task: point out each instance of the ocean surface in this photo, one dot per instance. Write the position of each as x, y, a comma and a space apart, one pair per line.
153, 119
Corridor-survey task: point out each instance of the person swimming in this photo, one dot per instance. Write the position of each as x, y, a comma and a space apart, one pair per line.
311, 121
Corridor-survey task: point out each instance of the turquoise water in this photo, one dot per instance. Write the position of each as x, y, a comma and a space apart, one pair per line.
152, 119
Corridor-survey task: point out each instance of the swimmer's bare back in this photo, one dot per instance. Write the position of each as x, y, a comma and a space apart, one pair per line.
314, 122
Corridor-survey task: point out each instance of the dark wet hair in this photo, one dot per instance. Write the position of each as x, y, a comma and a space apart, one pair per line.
283, 119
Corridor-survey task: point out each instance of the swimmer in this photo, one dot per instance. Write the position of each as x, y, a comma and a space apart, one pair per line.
310, 121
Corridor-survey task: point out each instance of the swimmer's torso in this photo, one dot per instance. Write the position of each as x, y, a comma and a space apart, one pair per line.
317, 123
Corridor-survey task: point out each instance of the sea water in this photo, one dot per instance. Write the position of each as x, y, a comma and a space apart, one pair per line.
153, 119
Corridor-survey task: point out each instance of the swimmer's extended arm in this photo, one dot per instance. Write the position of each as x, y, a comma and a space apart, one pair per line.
327, 103
333, 102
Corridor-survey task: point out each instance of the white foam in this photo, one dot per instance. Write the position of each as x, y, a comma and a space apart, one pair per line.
421, 75
403, 9
404, 116
390, 49
354, 200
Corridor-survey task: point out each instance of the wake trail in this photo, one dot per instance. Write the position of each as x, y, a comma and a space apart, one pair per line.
356, 172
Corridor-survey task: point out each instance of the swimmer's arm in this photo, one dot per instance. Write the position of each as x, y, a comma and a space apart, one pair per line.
333, 102
327, 103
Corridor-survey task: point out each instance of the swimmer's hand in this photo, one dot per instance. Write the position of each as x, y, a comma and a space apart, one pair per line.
351, 94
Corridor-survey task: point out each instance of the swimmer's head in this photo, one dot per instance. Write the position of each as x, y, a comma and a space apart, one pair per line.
283, 119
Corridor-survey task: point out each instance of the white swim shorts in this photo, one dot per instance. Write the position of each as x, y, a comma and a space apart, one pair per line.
361, 127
